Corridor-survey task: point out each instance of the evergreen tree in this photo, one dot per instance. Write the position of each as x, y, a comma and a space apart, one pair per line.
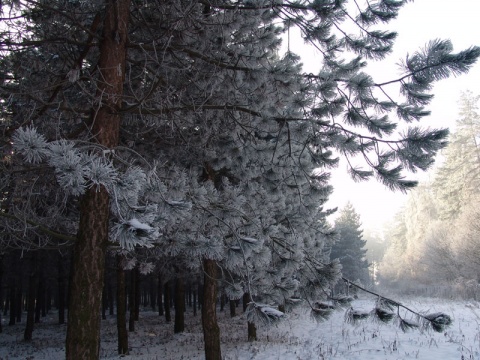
349, 248
458, 179
177, 126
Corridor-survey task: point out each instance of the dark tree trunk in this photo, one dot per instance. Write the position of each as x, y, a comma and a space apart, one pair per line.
19, 303
104, 302
222, 302
179, 305
252, 330
160, 295
83, 327
110, 299
47, 299
40, 306
61, 291
13, 308
7, 303
233, 308
27, 335
166, 300
121, 309
152, 294
131, 301
136, 273
1, 291
211, 331
194, 303
245, 301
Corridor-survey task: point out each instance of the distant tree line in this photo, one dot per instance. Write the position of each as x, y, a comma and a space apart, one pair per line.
434, 239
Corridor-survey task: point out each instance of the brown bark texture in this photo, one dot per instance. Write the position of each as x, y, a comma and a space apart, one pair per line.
83, 328
211, 330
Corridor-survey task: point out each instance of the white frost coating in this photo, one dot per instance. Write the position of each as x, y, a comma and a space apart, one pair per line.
271, 312
250, 240
137, 224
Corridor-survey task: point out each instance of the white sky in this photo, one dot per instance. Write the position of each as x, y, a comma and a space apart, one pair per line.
418, 23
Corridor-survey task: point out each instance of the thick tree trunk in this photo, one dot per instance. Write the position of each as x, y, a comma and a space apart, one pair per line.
211, 331
179, 305
83, 326
121, 309
83, 329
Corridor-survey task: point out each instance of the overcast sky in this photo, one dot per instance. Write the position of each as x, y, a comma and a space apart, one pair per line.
418, 22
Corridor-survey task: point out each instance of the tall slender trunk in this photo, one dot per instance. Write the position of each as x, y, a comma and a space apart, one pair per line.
138, 298
233, 308
160, 295
32, 284
166, 301
194, 302
179, 325
83, 328
122, 332
251, 328
1, 291
41, 294
131, 301
61, 291
13, 309
104, 301
211, 331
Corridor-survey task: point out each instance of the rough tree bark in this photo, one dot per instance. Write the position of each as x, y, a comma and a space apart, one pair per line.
211, 330
83, 329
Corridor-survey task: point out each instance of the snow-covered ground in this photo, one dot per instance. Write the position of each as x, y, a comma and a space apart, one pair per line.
299, 337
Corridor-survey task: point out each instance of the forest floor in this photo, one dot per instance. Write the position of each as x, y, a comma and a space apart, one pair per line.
298, 337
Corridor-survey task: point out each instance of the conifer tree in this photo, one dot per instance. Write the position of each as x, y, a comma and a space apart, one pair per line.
457, 180
178, 125
349, 247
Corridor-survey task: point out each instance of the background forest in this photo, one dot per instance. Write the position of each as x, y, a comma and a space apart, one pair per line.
433, 242
169, 153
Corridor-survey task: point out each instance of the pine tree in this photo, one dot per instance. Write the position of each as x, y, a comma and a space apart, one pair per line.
350, 246
177, 126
